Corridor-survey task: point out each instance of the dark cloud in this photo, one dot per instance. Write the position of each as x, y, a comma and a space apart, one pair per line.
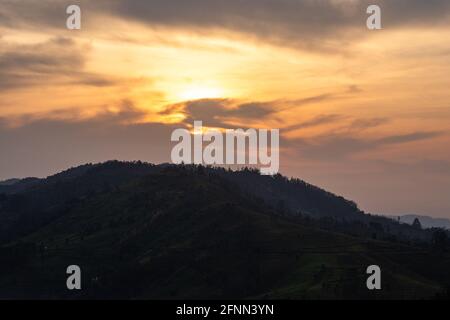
253, 110
328, 25
219, 112
310, 24
60, 53
35, 14
58, 61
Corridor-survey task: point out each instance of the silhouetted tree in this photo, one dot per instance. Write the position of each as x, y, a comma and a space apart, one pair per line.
416, 224
440, 240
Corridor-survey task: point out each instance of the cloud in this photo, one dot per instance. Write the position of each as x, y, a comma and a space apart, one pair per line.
220, 112
331, 146
124, 112
58, 61
328, 25
361, 124
312, 99
33, 14
345, 125
311, 24
405, 138
316, 121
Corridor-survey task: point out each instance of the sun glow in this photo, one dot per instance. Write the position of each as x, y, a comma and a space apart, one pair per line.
200, 92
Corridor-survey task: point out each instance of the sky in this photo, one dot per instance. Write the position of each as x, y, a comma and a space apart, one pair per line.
362, 113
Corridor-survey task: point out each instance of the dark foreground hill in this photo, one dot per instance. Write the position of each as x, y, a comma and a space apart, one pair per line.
144, 231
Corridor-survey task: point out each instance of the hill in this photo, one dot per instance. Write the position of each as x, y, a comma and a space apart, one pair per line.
427, 222
144, 231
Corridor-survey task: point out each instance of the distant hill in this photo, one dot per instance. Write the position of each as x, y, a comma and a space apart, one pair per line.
9, 182
426, 221
17, 185
142, 231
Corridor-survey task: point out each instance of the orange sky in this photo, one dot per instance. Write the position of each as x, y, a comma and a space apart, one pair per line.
362, 113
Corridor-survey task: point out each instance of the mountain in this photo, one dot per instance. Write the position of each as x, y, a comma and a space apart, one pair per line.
427, 222
141, 231
9, 182
17, 185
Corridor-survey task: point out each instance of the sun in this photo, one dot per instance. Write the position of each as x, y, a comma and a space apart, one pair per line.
200, 92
